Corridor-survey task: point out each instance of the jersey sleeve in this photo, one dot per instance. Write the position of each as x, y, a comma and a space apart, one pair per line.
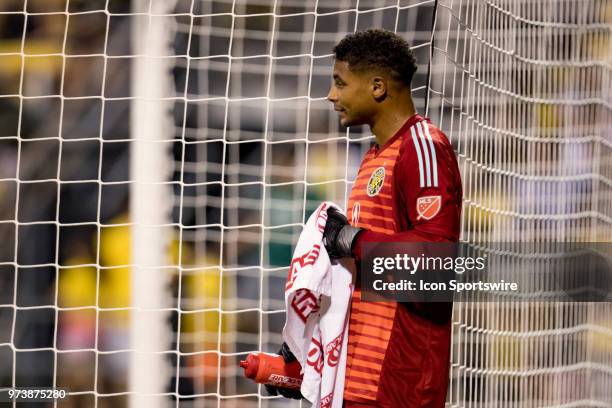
428, 193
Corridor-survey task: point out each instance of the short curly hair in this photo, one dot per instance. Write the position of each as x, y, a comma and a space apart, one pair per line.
378, 49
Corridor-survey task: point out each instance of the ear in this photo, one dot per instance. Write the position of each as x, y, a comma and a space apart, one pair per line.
378, 87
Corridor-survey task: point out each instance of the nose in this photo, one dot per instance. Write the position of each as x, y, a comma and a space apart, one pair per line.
332, 95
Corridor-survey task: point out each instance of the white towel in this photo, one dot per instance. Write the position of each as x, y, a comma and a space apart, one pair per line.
317, 296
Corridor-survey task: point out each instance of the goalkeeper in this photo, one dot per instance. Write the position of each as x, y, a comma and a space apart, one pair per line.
408, 189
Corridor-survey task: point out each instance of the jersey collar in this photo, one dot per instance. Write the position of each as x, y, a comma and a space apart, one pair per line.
404, 129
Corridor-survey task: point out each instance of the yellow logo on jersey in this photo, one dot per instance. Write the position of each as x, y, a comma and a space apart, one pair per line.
376, 181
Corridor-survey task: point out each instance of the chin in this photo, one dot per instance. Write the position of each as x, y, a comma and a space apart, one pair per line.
346, 122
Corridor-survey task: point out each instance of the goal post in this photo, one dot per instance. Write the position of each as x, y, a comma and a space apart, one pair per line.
152, 129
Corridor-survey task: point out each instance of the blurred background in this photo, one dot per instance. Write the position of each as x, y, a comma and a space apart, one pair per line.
218, 108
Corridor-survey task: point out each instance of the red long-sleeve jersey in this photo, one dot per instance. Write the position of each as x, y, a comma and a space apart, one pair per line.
408, 190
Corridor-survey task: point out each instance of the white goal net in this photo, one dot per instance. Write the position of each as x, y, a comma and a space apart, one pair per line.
523, 90
159, 158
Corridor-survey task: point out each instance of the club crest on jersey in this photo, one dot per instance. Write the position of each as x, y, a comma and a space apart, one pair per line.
428, 206
376, 181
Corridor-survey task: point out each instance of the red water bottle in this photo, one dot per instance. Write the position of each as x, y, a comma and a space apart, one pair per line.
271, 369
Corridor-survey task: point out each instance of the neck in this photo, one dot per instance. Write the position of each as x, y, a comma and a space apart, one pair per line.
390, 120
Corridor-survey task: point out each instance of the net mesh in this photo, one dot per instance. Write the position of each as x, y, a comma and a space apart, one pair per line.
522, 89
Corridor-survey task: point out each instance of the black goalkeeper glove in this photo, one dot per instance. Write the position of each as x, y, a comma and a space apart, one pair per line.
339, 235
285, 392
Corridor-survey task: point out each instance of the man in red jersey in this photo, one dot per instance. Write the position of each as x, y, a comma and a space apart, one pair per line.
408, 189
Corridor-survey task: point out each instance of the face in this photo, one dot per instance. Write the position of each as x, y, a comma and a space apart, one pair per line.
351, 95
